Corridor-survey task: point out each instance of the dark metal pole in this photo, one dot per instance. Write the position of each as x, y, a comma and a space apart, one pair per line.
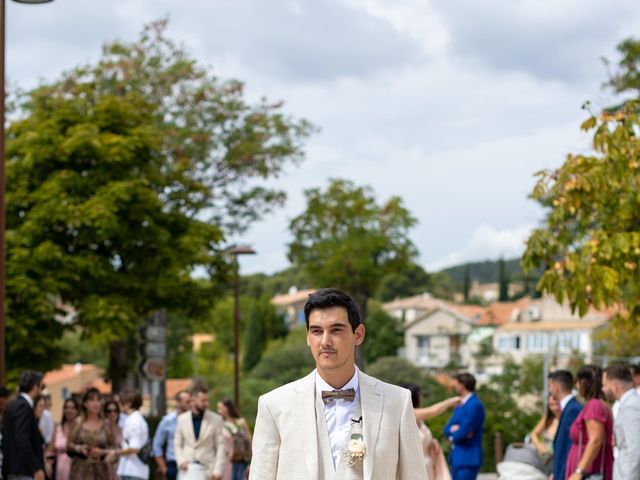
2, 206
236, 334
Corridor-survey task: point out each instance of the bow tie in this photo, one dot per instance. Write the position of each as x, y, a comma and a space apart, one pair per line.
348, 395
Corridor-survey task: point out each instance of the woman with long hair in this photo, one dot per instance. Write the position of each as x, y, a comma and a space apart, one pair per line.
544, 432
592, 431
240, 435
434, 460
90, 444
58, 463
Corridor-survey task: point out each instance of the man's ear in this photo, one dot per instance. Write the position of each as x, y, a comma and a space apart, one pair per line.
360, 334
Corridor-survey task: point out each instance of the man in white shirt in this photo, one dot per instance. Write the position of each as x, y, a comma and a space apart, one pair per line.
336, 423
617, 384
46, 424
135, 435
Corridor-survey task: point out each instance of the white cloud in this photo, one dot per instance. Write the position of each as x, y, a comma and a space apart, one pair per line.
451, 105
486, 243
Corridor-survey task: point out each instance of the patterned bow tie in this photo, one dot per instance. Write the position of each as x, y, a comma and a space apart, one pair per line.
348, 395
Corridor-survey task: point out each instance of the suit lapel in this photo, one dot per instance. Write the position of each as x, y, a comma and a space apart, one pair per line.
190, 429
305, 412
204, 425
372, 401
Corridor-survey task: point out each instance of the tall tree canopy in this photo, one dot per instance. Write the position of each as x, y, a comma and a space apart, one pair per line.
345, 239
125, 176
589, 244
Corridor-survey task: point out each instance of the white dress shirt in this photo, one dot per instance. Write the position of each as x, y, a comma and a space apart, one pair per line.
565, 400
134, 435
338, 414
27, 398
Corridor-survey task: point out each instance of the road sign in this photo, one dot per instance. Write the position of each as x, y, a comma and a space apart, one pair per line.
157, 350
154, 333
154, 369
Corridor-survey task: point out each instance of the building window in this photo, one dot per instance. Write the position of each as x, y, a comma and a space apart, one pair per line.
508, 343
537, 342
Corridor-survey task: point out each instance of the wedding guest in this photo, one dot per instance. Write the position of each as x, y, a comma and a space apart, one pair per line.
561, 388
617, 384
238, 428
58, 464
90, 444
437, 468
592, 431
111, 414
545, 430
135, 435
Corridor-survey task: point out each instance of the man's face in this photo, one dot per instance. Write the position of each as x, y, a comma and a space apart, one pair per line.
331, 339
459, 388
184, 402
636, 379
200, 402
608, 387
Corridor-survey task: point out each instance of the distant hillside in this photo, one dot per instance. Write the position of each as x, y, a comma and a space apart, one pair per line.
410, 282
484, 272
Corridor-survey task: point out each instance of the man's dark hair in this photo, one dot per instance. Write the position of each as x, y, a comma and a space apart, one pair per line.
28, 380
329, 298
634, 369
563, 378
133, 397
415, 393
620, 372
467, 380
199, 388
4, 392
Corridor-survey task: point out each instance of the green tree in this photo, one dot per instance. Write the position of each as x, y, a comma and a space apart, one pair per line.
123, 177
589, 245
384, 335
466, 287
345, 239
263, 324
503, 281
408, 282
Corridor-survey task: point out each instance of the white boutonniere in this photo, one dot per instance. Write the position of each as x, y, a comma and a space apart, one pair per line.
354, 452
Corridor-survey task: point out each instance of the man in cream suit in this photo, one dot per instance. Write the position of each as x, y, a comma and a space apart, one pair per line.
617, 384
336, 423
199, 442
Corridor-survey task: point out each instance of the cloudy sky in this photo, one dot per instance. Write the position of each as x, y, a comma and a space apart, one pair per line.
451, 104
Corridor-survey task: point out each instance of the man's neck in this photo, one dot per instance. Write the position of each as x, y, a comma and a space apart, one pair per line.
338, 378
624, 389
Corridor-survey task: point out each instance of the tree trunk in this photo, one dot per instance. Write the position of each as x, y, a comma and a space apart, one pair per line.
118, 365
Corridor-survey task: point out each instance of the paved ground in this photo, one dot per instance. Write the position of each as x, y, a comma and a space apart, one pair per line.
487, 476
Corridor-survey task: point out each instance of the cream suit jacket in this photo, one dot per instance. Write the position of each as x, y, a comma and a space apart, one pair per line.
209, 449
285, 441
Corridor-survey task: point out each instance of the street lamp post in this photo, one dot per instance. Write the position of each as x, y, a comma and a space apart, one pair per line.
2, 183
235, 251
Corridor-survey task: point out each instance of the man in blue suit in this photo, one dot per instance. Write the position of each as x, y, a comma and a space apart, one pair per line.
464, 430
561, 386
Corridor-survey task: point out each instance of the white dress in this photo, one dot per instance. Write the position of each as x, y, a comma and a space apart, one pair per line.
437, 467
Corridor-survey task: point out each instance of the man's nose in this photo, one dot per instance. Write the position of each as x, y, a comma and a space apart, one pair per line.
326, 339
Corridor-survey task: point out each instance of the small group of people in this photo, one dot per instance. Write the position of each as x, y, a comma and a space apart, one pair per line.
194, 443
88, 443
103, 437
588, 439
